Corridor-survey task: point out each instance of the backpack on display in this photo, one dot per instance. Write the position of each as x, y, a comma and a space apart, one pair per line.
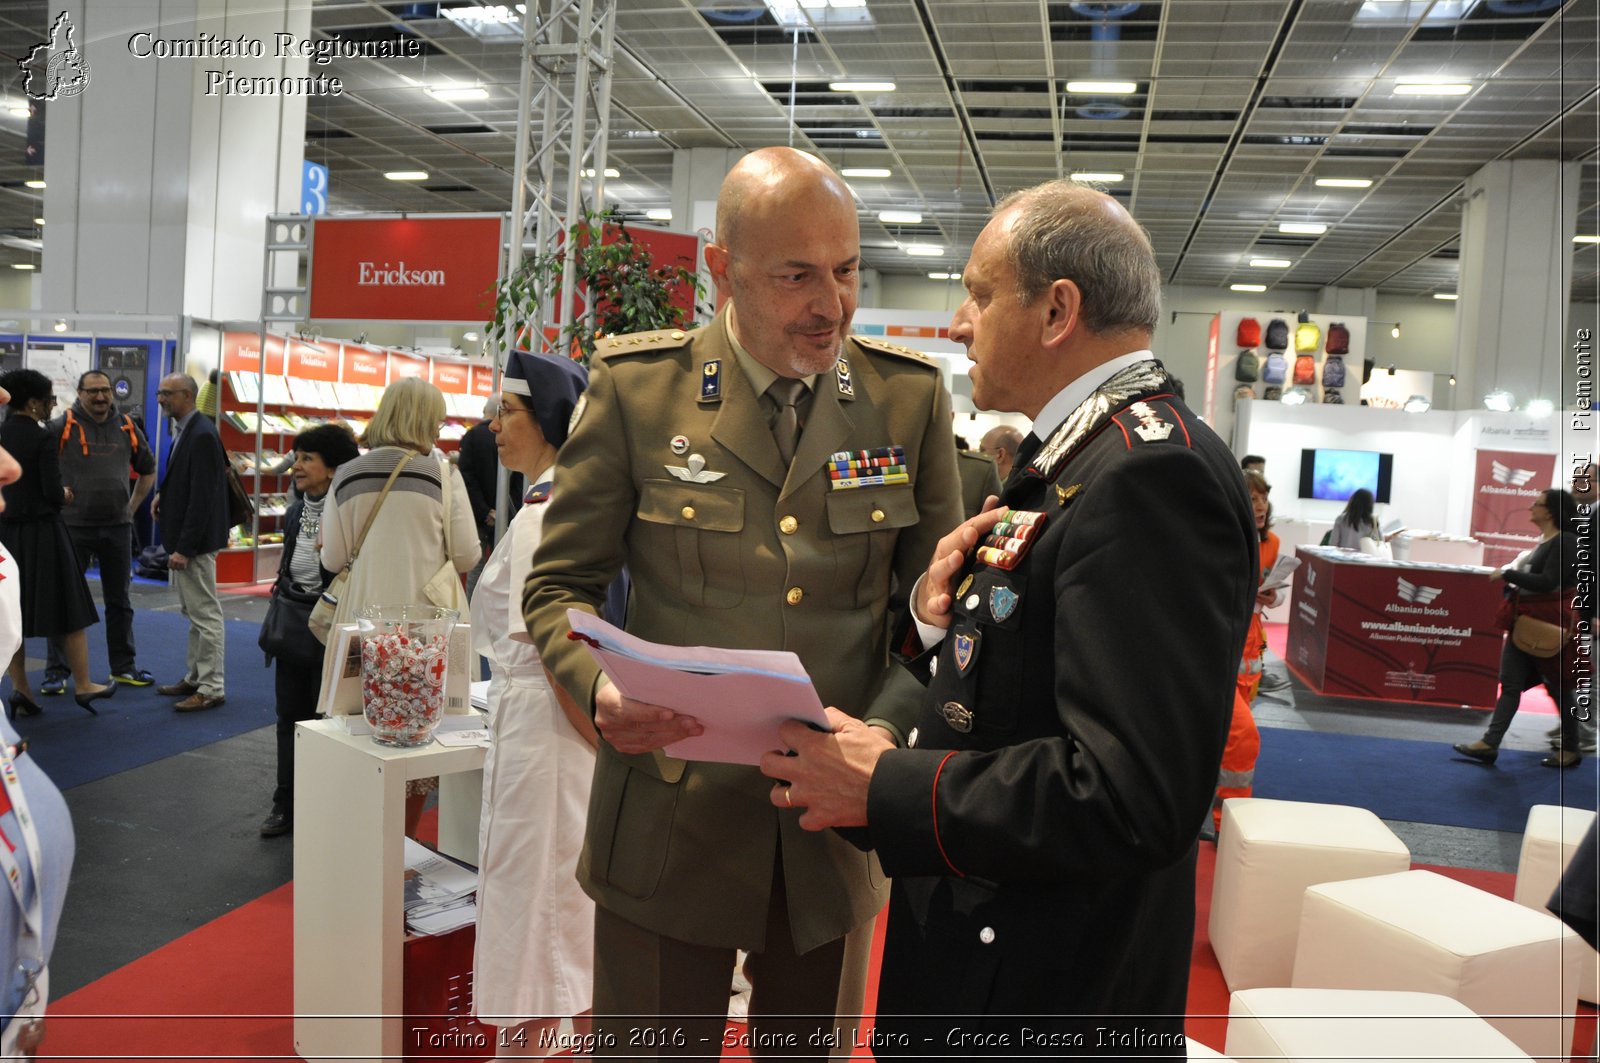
1278, 334
1338, 338
1243, 393
1272, 394
1305, 370
1307, 336
1249, 332
1332, 397
1276, 369
1248, 369
1333, 371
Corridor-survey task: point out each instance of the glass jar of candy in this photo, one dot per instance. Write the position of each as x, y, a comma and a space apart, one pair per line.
404, 650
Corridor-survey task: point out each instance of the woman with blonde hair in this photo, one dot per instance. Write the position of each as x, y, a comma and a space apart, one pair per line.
426, 509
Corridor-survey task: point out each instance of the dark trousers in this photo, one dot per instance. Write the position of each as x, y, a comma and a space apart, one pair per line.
1519, 672
297, 686
113, 547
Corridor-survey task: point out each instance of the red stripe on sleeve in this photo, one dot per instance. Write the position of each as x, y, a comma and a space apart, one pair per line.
936, 839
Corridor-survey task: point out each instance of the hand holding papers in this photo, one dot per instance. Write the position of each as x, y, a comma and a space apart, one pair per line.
1279, 575
738, 696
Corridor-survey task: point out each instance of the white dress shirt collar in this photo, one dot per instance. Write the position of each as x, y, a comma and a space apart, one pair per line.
1069, 398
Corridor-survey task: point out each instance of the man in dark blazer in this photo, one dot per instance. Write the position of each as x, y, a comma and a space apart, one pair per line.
192, 508
479, 462
1040, 825
676, 466
979, 480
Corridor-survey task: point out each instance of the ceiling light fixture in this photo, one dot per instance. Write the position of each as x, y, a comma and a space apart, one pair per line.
1448, 297
38, 221
1247, 287
1540, 408
406, 175
924, 250
944, 276
1271, 263
35, 183
19, 110
60, 325
1343, 182
1302, 228
899, 217
1418, 404
1107, 177
1586, 238
610, 172
1431, 88
457, 93
23, 265
1499, 400
865, 171
659, 214
861, 86
1103, 88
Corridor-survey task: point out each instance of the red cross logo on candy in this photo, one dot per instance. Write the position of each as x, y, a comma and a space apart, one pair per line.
437, 669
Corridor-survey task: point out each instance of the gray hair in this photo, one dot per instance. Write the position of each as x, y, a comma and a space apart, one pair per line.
1064, 230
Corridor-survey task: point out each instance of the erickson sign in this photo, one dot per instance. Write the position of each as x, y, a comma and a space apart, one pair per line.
430, 268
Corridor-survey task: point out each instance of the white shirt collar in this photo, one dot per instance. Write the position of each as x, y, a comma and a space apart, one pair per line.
1069, 398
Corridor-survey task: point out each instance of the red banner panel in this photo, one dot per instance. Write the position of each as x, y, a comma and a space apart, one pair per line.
483, 380
450, 377
404, 269
1505, 483
404, 365
1394, 631
313, 363
362, 366
241, 353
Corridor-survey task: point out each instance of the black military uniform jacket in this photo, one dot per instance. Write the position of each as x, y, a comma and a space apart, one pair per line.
1041, 830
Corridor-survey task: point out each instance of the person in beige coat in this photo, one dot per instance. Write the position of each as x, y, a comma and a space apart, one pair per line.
675, 467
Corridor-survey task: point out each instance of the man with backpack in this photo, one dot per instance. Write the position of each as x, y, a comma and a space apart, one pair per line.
98, 447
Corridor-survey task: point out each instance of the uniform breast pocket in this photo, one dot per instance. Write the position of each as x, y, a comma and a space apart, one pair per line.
866, 522
702, 524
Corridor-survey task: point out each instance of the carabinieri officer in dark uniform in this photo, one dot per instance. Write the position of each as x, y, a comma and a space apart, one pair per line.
1040, 827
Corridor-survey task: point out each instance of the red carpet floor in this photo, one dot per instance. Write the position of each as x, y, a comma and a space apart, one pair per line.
224, 991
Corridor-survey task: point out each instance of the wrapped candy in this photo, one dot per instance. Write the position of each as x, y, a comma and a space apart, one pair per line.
403, 663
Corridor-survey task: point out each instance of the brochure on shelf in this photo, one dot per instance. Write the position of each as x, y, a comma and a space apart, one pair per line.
440, 894
739, 696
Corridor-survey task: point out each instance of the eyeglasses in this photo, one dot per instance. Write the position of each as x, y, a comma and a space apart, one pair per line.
94, 391
513, 409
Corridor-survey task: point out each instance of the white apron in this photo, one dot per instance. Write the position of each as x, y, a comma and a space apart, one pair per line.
535, 948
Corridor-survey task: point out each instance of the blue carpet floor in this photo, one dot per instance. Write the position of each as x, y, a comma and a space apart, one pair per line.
1421, 782
138, 725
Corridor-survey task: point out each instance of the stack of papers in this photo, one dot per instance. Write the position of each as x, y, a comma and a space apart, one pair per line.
740, 697
440, 895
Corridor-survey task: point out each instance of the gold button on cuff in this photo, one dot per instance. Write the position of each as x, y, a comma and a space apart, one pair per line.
688, 513
794, 595
788, 525
877, 516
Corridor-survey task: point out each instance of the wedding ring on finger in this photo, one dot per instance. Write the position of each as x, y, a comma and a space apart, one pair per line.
788, 798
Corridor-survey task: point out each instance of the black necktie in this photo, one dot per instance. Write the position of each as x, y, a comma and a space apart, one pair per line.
1025, 452
786, 429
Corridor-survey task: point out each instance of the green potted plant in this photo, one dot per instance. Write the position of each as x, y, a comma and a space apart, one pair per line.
623, 288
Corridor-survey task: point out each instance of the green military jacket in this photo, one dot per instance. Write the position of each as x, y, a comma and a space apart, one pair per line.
757, 558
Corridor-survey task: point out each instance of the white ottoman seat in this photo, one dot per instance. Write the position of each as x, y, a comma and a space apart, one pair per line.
1421, 932
1334, 1025
1548, 842
1268, 852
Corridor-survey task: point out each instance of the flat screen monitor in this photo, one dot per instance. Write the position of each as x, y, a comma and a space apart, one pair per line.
1335, 475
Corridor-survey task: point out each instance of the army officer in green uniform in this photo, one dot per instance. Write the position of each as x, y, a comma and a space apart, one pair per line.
750, 516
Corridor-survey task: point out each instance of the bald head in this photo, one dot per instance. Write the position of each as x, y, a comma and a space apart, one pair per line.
771, 179
1001, 444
